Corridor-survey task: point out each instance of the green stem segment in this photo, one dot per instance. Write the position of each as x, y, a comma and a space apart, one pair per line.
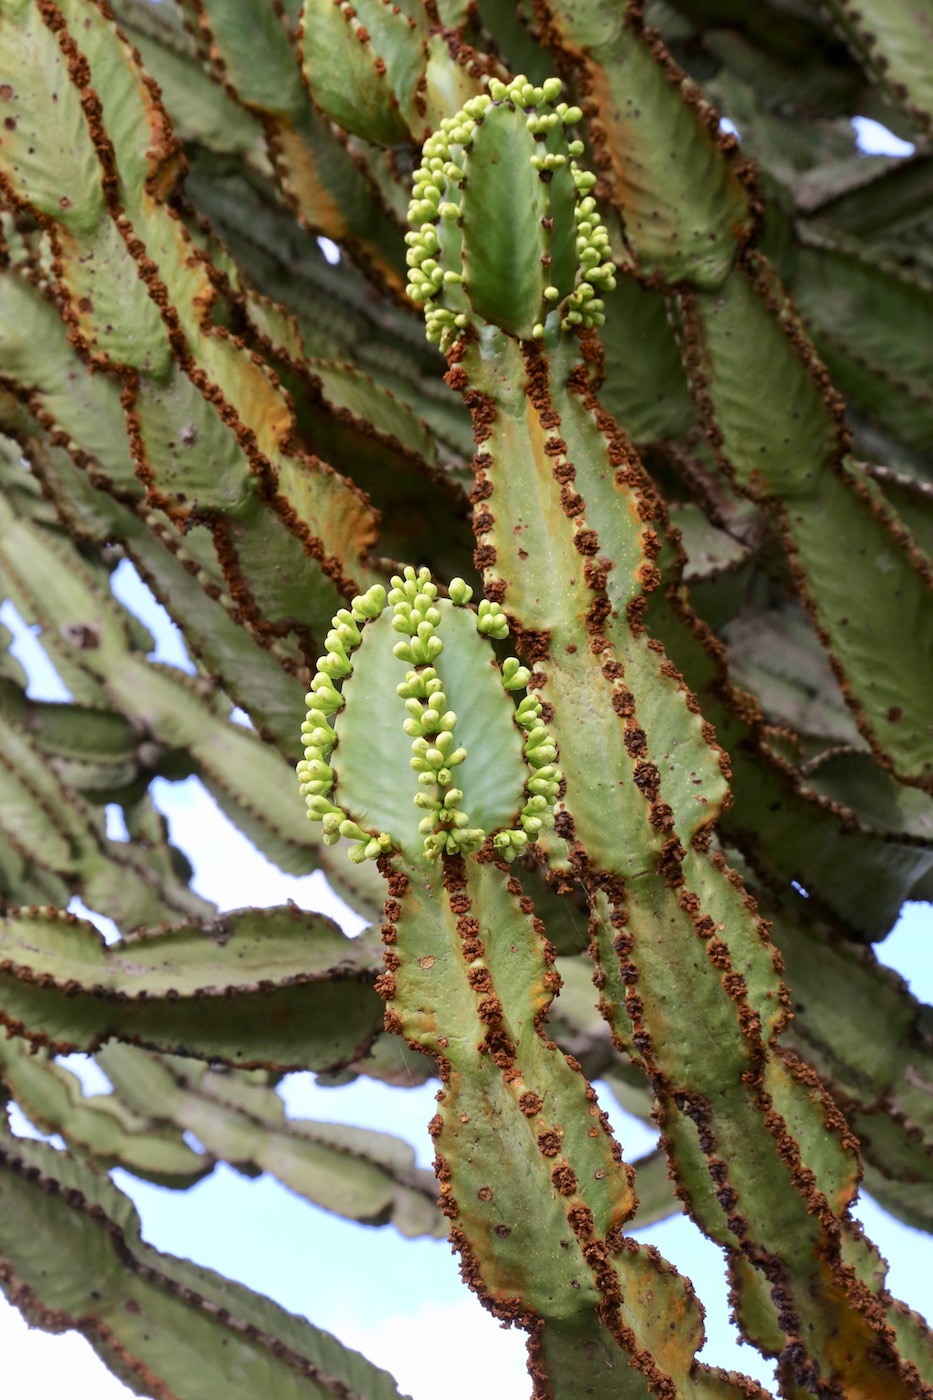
531, 1176
569, 542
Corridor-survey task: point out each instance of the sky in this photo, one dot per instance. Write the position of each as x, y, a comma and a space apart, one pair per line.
399, 1301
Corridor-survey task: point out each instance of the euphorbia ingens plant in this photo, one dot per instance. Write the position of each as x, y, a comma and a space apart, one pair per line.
631, 762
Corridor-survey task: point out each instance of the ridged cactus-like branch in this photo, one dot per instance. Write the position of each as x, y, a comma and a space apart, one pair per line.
365, 65
175, 989
889, 40
436, 751
471, 167
537, 1197
748, 359
771, 1174
136, 298
99, 1128
251, 674
73, 1256
91, 635
354, 1172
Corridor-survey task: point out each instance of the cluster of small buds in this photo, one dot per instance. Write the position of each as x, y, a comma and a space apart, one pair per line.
436, 198
584, 307
540, 752
440, 166
515, 676
315, 776
430, 724
445, 828
491, 621
434, 758
544, 790
440, 174
521, 93
510, 844
429, 717
412, 598
562, 115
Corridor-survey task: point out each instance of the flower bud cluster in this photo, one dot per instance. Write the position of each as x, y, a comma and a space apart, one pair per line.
460, 592
540, 751
491, 621
435, 198
315, 776
414, 614
515, 676
435, 276
430, 724
584, 307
